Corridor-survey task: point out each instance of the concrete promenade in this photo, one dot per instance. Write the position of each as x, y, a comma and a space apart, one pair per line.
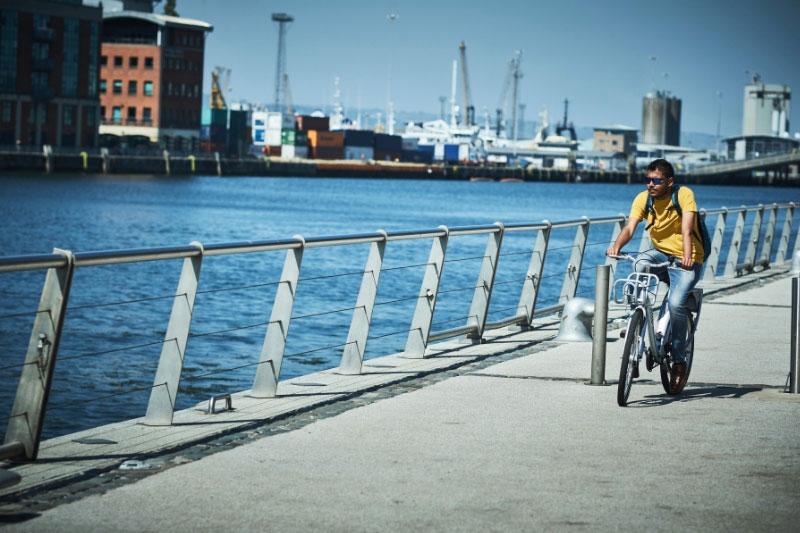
520, 444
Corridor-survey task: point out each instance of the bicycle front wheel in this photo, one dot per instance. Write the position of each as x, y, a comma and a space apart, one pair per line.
633, 340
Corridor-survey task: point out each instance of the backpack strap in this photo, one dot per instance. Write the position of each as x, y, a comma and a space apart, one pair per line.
648, 207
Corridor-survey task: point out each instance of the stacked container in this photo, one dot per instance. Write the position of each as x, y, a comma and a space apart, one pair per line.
359, 144
238, 137
267, 128
325, 144
294, 143
213, 130
307, 122
388, 147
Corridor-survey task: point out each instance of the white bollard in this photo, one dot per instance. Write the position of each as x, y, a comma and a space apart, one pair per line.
576, 321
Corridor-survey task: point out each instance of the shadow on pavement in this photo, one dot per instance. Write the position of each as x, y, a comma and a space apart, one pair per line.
695, 393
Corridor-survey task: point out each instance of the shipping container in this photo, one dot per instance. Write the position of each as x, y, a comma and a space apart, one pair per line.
365, 138
237, 120
213, 133
306, 123
327, 152
410, 144
273, 137
259, 136
280, 121
289, 151
385, 155
214, 117
274, 151
297, 138
438, 152
426, 147
463, 152
325, 138
388, 143
417, 156
450, 152
259, 119
359, 153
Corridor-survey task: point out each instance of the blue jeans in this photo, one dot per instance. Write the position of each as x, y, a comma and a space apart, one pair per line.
681, 282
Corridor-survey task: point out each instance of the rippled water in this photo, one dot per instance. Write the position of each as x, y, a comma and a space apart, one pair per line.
118, 315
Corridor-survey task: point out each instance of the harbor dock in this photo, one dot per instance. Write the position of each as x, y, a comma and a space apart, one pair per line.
502, 435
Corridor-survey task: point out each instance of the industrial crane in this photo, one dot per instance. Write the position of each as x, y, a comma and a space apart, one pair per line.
287, 94
501, 104
513, 75
469, 109
220, 77
566, 127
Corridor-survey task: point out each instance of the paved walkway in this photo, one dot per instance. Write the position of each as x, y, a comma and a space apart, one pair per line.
519, 445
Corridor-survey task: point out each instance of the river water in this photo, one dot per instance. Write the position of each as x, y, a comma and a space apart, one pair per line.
117, 315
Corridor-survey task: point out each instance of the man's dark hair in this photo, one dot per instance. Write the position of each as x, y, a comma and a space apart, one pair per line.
663, 166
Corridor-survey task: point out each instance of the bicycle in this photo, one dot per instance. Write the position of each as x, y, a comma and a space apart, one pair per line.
646, 337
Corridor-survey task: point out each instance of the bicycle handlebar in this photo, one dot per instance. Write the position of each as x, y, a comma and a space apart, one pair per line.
632, 259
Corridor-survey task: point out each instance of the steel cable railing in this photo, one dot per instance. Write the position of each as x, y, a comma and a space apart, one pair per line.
536, 291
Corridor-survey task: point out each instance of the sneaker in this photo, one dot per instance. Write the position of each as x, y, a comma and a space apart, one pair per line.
679, 377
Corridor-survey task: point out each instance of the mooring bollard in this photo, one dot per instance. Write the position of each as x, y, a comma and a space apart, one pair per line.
600, 325
794, 379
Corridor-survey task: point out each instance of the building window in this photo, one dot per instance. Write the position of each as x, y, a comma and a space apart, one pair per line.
132, 87
9, 29
148, 62
169, 88
6, 112
94, 50
117, 61
117, 87
147, 117
148, 88
68, 112
131, 115
103, 111
102, 86
116, 115
133, 62
196, 90
70, 51
183, 89
103, 61
91, 114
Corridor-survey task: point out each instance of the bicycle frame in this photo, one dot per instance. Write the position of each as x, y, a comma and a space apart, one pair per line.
640, 291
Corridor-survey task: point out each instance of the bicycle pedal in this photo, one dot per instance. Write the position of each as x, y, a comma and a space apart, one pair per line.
622, 334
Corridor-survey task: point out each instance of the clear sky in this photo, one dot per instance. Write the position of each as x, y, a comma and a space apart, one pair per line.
596, 53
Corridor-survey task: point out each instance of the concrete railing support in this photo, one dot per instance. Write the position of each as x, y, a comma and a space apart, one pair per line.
426, 301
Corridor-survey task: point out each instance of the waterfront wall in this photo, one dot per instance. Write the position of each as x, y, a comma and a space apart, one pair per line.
26, 162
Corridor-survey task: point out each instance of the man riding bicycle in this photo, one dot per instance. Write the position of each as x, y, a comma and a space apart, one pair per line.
674, 239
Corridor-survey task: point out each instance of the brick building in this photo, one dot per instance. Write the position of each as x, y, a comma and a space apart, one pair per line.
49, 54
151, 77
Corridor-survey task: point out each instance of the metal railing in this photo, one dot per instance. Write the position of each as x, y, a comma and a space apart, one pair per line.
27, 414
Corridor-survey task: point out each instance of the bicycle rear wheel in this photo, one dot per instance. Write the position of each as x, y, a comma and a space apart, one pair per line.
633, 340
688, 351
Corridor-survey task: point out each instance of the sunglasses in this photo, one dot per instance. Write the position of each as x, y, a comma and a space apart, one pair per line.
655, 181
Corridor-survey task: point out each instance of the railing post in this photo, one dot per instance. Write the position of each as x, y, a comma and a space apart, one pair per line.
712, 261
30, 402
645, 243
766, 249
786, 233
165, 155
265, 384
736, 242
573, 273
612, 263
533, 278
353, 356
426, 302
482, 296
164, 393
755, 236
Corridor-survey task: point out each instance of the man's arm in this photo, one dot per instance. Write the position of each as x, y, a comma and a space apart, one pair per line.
687, 227
624, 236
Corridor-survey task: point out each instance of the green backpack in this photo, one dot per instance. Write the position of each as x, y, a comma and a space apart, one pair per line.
703, 236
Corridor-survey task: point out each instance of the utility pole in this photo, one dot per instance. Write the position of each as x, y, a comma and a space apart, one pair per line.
282, 19
389, 104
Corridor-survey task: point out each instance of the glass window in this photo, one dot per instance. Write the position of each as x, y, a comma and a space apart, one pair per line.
133, 62
116, 115
148, 88
70, 52
183, 89
6, 111
196, 90
68, 111
117, 86
117, 61
103, 61
132, 87
148, 62
147, 115
103, 111
102, 86
169, 88
131, 113
9, 32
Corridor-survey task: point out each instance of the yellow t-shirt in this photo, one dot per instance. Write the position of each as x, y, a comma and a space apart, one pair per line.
665, 231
